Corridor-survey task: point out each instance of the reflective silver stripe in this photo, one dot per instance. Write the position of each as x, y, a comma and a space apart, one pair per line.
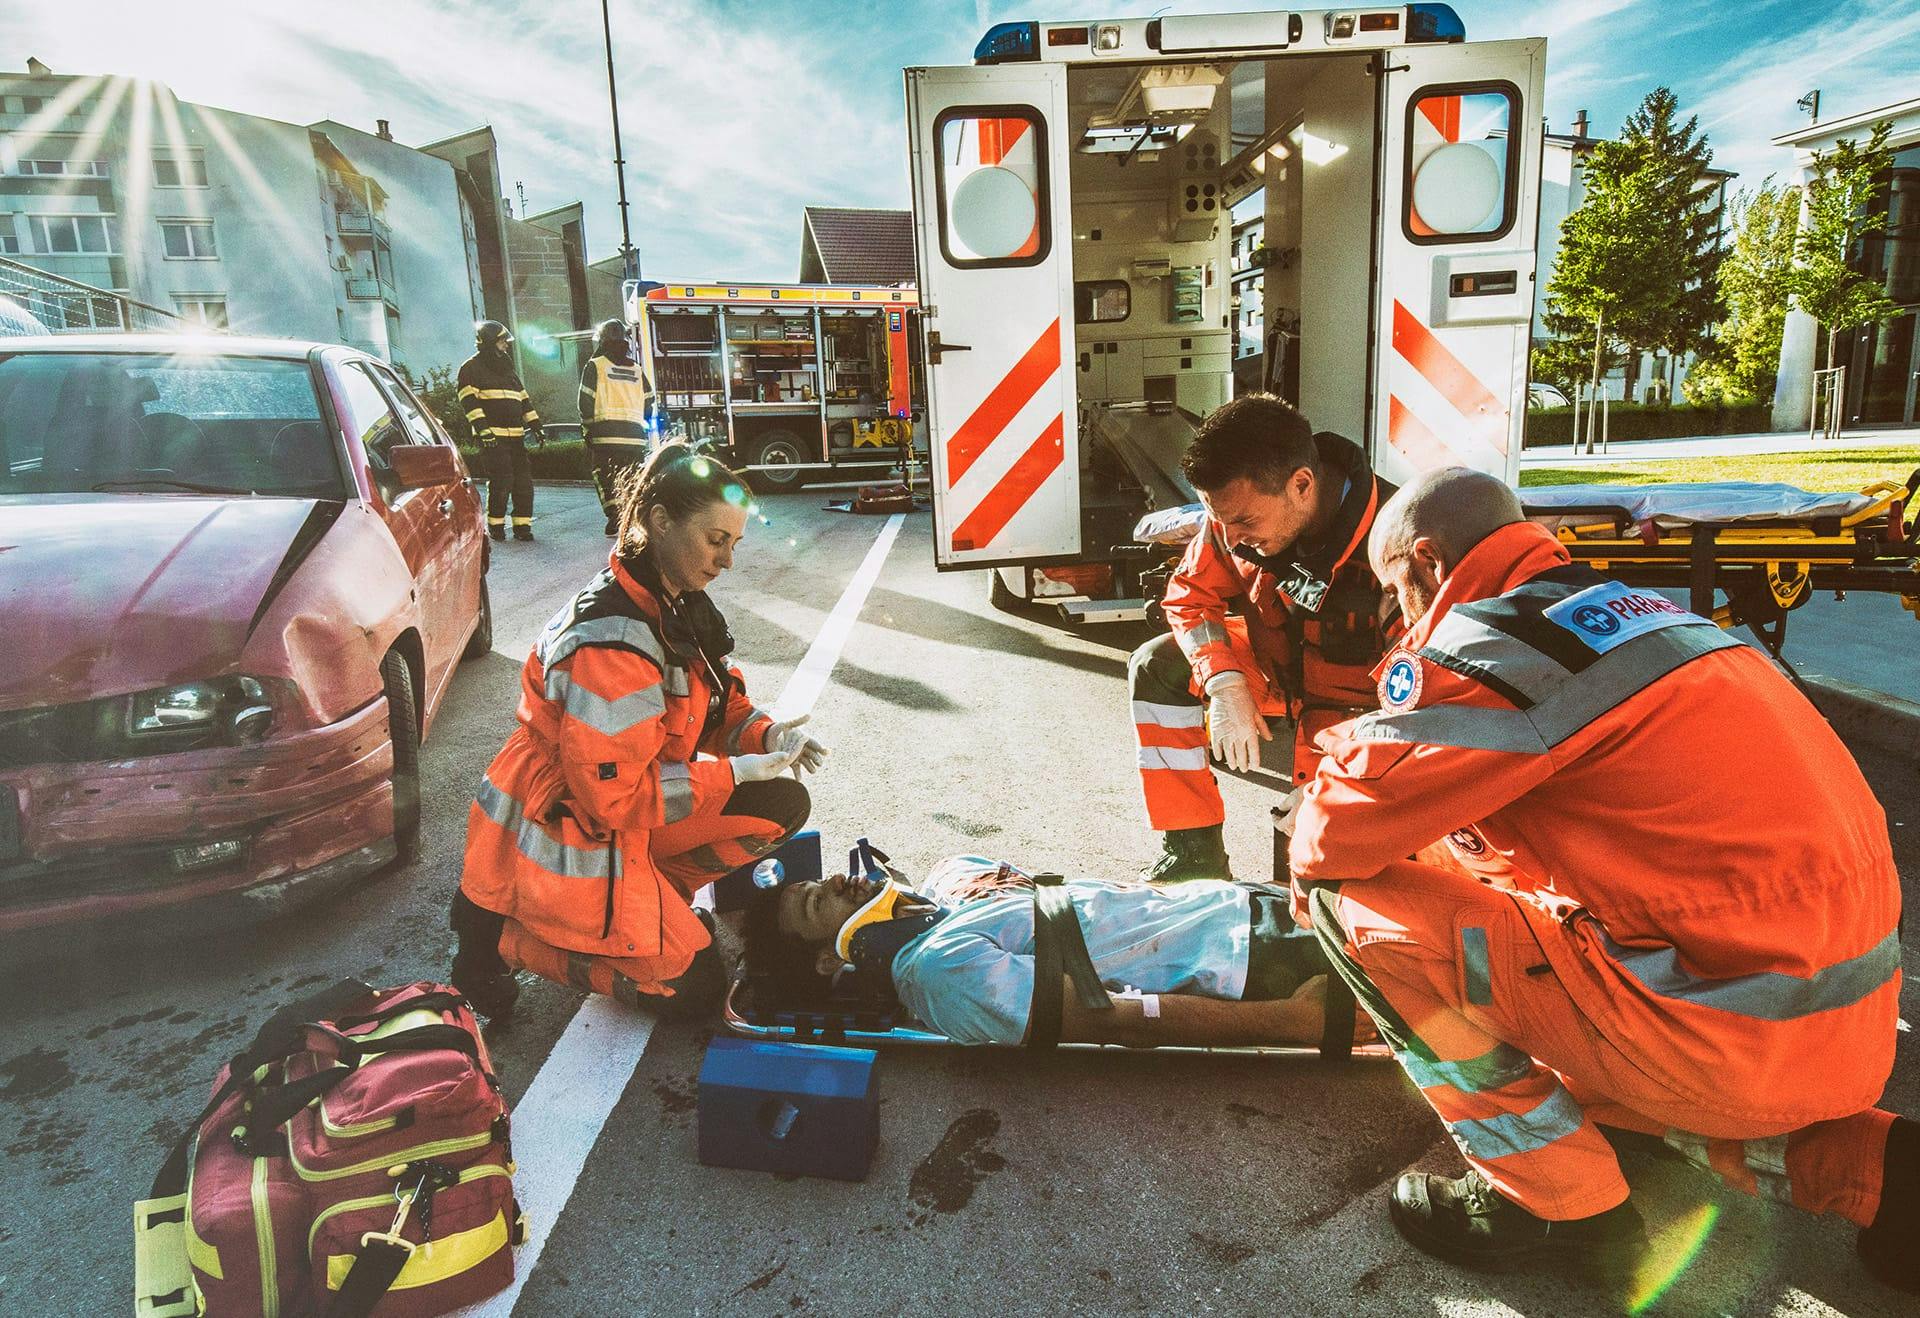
1765, 995
1477, 966
1613, 679
1692, 1146
1201, 633
1767, 1159
1169, 716
676, 790
676, 680
737, 736
558, 641
625, 990
580, 970
541, 847
608, 717
1494, 1069
1553, 1118
1173, 757
705, 858
1480, 647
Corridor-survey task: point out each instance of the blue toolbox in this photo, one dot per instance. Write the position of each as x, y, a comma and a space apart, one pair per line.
796, 861
795, 1109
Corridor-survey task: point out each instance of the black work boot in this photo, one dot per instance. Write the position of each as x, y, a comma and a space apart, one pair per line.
1464, 1220
479, 973
1190, 853
523, 533
1891, 1246
497, 532
613, 524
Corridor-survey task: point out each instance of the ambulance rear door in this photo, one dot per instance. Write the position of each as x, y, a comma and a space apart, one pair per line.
1459, 188
994, 242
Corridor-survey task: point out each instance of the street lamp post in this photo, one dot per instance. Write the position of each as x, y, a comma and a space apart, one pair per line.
629, 258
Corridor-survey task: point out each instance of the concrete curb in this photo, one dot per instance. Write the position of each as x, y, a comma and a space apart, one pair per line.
1874, 718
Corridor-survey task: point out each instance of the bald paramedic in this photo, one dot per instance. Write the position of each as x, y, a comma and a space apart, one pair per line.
1675, 911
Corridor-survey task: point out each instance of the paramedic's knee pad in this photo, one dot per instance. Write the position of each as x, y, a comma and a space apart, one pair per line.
784, 802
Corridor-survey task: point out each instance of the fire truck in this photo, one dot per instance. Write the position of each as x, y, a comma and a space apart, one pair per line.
1076, 192
790, 381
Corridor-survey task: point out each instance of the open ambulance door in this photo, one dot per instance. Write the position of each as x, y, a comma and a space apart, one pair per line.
1459, 216
994, 241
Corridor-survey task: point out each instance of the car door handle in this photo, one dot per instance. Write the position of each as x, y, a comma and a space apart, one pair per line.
446, 505
935, 347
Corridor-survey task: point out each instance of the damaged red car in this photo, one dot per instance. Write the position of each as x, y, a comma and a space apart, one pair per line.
236, 579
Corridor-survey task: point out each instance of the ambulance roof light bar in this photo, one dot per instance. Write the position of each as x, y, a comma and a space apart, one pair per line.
1203, 35
1008, 43
1434, 23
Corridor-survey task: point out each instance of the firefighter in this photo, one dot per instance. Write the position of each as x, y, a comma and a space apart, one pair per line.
1672, 909
640, 771
1273, 613
503, 418
613, 414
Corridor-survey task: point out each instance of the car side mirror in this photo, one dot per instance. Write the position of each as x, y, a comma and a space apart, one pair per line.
417, 466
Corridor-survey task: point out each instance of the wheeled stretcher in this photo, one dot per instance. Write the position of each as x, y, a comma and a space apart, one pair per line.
1764, 548
851, 1012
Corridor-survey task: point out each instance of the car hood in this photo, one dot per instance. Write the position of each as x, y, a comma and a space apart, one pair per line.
106, 595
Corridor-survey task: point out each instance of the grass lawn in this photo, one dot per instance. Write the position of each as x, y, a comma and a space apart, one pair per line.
1844, 469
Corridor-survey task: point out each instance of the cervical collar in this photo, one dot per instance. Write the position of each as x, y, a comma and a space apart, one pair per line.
878, 910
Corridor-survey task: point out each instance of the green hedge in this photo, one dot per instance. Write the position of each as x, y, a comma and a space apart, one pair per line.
560, 460
1554, 425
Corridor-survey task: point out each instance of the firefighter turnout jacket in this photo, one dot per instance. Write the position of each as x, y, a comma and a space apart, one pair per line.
1707, 872
496, 402
1305, 627
613, 404
628, 711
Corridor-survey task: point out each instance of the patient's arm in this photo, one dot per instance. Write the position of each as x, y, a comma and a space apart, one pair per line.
1198, 1022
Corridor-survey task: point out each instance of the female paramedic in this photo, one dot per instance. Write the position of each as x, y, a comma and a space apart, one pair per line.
640, 771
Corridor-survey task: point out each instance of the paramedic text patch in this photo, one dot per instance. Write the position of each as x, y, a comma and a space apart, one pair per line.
1611, 614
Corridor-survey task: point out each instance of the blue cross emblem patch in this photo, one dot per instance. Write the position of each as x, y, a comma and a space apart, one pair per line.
1593, 618
1400, 686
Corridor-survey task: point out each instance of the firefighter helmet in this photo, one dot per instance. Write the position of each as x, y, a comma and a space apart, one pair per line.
488, 333
612, 334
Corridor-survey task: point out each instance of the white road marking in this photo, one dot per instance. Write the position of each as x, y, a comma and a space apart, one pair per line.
559, 1119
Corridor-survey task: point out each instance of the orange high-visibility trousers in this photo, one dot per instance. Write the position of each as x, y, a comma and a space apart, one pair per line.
1465, 981
1170, 731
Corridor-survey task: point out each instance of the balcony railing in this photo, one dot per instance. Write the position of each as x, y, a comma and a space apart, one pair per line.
356, 223
367, 289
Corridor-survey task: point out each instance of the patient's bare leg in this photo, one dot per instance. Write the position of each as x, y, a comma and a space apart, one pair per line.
1201, 1022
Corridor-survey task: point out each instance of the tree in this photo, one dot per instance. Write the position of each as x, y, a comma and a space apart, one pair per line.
1844, 190
1754, 283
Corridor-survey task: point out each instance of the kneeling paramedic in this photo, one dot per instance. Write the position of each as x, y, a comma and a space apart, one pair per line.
1675, 911
987, 953
1272, 611
640, 771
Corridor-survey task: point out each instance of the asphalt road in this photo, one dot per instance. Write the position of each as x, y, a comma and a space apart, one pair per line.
1005, 1184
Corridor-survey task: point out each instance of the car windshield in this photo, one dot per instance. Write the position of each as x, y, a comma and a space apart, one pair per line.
74, 422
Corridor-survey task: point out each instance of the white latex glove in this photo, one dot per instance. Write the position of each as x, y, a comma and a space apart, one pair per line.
762, 768
1234, 721
1288, 811
809, 753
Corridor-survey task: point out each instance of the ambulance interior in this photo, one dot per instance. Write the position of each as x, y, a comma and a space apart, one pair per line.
1174, 312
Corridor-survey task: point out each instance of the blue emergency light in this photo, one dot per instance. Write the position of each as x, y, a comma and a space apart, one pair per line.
1008, 43
1434, 24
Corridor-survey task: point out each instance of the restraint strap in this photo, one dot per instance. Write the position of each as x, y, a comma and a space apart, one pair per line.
1059, 949
374, 1270
1337, 1025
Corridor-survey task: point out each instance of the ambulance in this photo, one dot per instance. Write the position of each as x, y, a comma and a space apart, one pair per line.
1077, 192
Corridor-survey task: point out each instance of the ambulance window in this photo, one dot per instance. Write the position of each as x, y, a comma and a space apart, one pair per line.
1463, 159
992, 186
1101, 301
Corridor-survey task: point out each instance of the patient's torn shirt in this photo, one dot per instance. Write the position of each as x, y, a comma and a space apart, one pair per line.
970, 977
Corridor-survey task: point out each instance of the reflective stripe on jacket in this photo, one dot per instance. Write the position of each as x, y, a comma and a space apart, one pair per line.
494, 400
1315, 637
619, 734
1722, 868
613, 402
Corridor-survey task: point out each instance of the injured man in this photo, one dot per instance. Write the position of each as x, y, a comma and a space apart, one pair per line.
1205, 963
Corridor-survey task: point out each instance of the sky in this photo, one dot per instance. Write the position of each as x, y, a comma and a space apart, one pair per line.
737, 113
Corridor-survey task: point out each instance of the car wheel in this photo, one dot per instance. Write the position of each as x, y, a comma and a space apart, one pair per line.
777, 449
1001, 596
403, 727
481, 642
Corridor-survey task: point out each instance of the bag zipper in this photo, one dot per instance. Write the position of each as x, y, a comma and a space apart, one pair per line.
420, 1152
381, 1200
263, 1238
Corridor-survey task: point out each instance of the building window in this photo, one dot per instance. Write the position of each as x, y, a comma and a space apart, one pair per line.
62, 235
207, 310
9, 237
188, 240
75, 168
180, 171
31, 104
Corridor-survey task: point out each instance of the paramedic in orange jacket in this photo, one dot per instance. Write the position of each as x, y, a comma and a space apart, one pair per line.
640, 771
1685, 917
1273, 612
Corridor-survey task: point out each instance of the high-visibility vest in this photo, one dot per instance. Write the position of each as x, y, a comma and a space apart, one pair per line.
613, 402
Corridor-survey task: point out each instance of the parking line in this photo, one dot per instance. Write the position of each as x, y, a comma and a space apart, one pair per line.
559, 1119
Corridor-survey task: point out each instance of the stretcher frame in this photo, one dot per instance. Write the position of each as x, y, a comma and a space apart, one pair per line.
1764, 568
